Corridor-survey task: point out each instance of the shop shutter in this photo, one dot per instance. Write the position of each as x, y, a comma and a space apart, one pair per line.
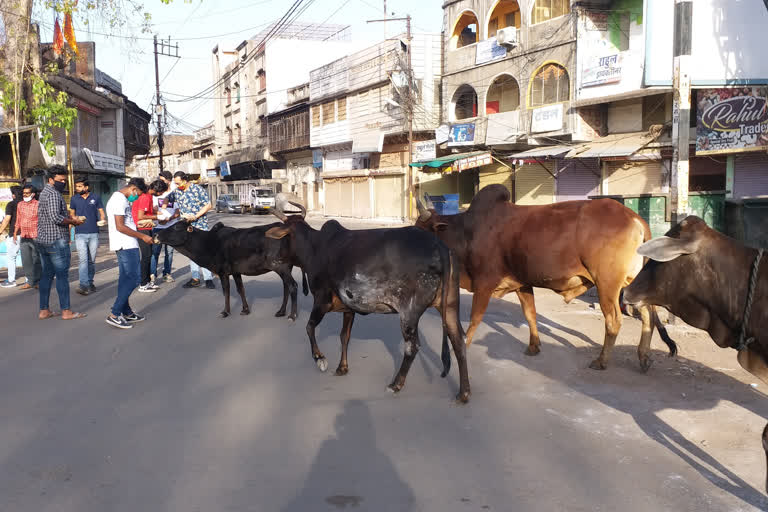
362, 192
389, 191
534, 185
333, 199
633, 177
497, 174
315, 196
750, 176
347, 206
577, 179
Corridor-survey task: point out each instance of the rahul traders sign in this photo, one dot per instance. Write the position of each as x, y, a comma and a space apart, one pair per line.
731, 120
602, 70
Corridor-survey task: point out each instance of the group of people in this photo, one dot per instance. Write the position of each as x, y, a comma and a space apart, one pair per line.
39, 226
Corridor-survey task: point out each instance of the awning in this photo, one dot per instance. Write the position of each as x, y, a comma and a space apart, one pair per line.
616, 145
542, 152
639, 93
447, 159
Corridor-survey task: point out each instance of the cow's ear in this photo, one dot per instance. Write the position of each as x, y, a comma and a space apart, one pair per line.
439, 226
277, 232
665, 248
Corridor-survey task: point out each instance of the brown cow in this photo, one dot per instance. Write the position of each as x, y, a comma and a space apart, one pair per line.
703, 277
567, 247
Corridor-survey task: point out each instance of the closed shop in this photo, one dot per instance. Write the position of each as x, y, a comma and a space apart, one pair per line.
389, 194
347, 197
497, 174
534, 183
361, 198
632, 178
577, 179
333, 199
707, 174
750, 175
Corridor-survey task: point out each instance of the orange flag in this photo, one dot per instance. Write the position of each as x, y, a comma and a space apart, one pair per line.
69, 32
58, 38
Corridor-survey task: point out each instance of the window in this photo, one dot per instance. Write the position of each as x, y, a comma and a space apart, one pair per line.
195, 155
315, 116
505, 14
465, 103
465, 31
237, 92
229, 135
228, 95
362, 102
503, 95
544, 10
550, 85
329, 112
262, 80
239, 133
341, 105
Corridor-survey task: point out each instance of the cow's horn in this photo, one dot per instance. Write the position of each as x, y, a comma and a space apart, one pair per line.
424, 214
277, 211
300, 206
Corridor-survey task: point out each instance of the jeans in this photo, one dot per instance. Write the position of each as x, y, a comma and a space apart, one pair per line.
145, 250
55, 259
195, 269
87, 244
128, 262
11, 250
156, 250
30, 258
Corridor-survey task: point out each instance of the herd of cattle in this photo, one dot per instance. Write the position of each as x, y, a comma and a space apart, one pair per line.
494, 248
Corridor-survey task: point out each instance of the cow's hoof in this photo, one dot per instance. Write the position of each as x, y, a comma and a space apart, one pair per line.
598, 365
462, 397
322, 363
245, 312
280, 313
532, 350
645, 364
341, 371
223, 314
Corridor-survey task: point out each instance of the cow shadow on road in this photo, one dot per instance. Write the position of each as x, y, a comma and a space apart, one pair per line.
618, 386
335, 480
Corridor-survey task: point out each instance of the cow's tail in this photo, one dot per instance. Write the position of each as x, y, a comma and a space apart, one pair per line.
449, 305
663, 332
304, 286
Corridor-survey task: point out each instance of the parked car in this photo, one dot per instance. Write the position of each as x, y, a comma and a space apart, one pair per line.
262, 200
228, 204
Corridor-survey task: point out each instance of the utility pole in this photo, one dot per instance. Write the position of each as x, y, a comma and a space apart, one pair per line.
165, 49
410, 108
681, 109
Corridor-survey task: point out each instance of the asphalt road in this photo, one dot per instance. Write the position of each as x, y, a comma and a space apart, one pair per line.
191, 412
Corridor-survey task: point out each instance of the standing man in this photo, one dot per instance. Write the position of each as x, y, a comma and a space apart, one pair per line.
124, 240
53, 242
26, 232
144, 216
11, 244
85, 204
194, 205
164, 202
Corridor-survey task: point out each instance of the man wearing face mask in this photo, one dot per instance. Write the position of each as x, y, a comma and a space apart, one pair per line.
53, 242
11, 243
124, 240
26, 232
88, 205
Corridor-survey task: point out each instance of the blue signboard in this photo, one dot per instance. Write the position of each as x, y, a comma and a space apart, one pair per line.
317, 158
224, 169
462, 134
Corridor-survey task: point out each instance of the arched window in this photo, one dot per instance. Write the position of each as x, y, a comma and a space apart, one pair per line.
503, 95
544, 10
464, 103
505, 14
550, 85
465, 31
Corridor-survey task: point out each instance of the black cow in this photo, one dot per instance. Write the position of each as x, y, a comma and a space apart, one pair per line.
231, 251
397, 270
704, 278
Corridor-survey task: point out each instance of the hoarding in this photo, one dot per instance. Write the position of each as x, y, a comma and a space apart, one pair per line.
424, 150
547, 119
462, 134
489, 50
731, 120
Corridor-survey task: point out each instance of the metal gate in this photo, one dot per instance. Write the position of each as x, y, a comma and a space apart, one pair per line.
750, 176
577, 179
534, 184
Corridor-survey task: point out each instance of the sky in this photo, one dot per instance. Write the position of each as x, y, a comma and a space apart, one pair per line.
199, 25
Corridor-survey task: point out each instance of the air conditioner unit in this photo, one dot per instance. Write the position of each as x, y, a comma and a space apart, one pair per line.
507, 36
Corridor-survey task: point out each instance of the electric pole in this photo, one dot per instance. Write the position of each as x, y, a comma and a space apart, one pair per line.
681, 110
410, 108
165, 49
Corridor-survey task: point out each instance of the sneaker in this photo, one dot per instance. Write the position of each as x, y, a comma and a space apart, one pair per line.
8, 284
152, 284
145, 288
168, 278
192, 283
209, 284
91, 288
82, 291
134, 318
118, 321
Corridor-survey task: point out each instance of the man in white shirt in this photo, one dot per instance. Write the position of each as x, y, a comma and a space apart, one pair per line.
123, 239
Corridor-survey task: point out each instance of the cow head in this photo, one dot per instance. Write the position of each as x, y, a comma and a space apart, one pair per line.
672, 258
290, 222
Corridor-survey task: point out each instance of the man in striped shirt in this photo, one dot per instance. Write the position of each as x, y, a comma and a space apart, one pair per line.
26, 232
53, 241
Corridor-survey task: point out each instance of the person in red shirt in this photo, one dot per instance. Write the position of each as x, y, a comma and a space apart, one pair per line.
144, 214
26, 232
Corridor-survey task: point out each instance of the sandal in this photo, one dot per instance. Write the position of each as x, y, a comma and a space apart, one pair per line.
53, 314
76, 316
